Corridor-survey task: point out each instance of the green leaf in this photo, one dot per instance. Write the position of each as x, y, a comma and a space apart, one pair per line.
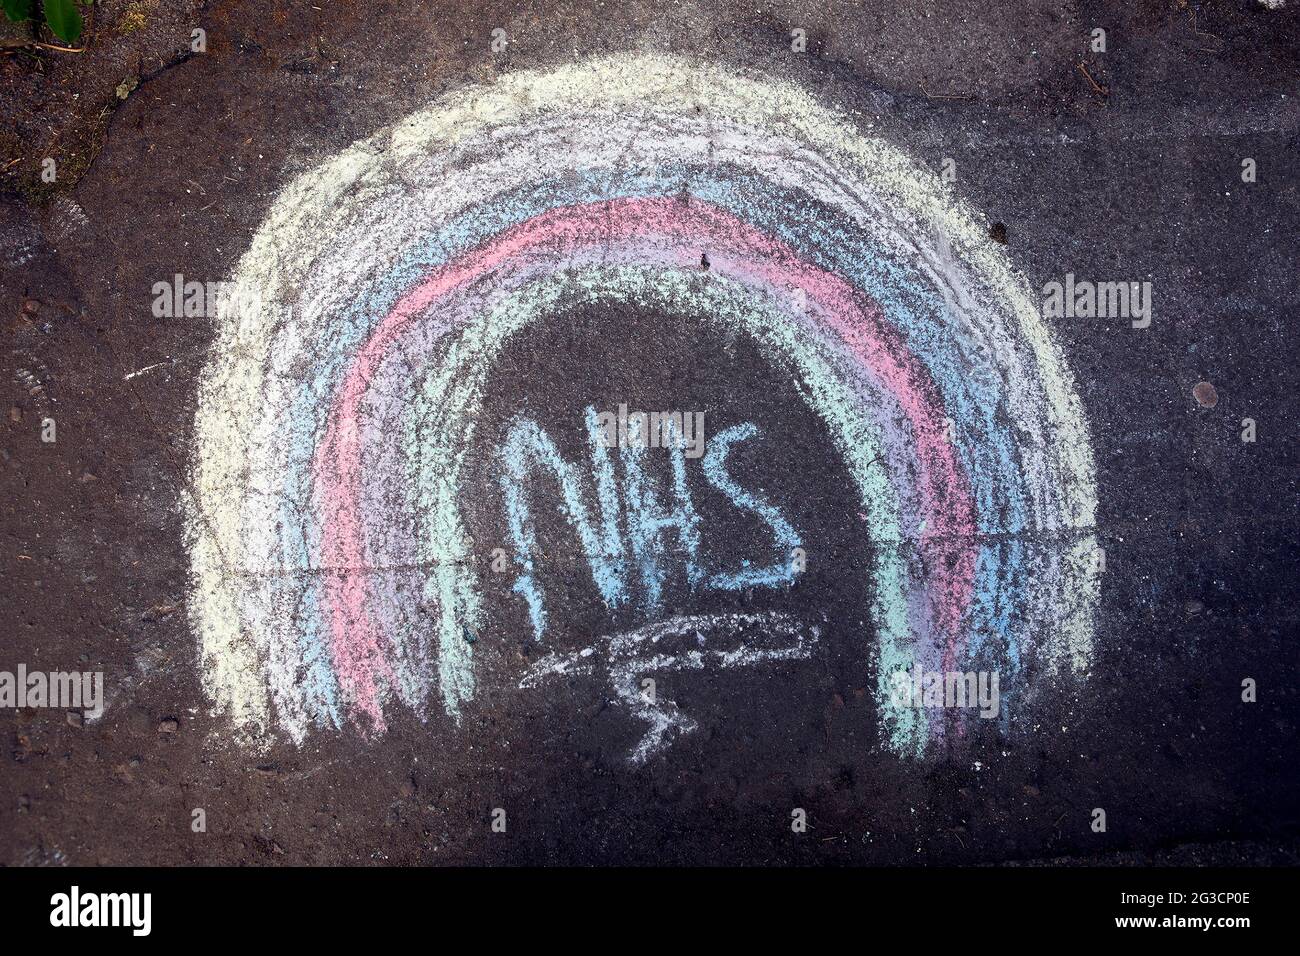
64, 19
18, 10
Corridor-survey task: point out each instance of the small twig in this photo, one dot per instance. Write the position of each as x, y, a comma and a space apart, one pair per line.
23, 44
1099, 89
1202, 33
944, 96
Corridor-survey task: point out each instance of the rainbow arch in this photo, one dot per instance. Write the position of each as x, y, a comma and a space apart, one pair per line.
374, 299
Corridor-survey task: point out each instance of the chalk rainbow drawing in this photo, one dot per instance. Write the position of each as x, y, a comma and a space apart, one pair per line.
331, 568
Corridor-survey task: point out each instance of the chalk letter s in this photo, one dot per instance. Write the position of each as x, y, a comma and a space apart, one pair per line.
786, 538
